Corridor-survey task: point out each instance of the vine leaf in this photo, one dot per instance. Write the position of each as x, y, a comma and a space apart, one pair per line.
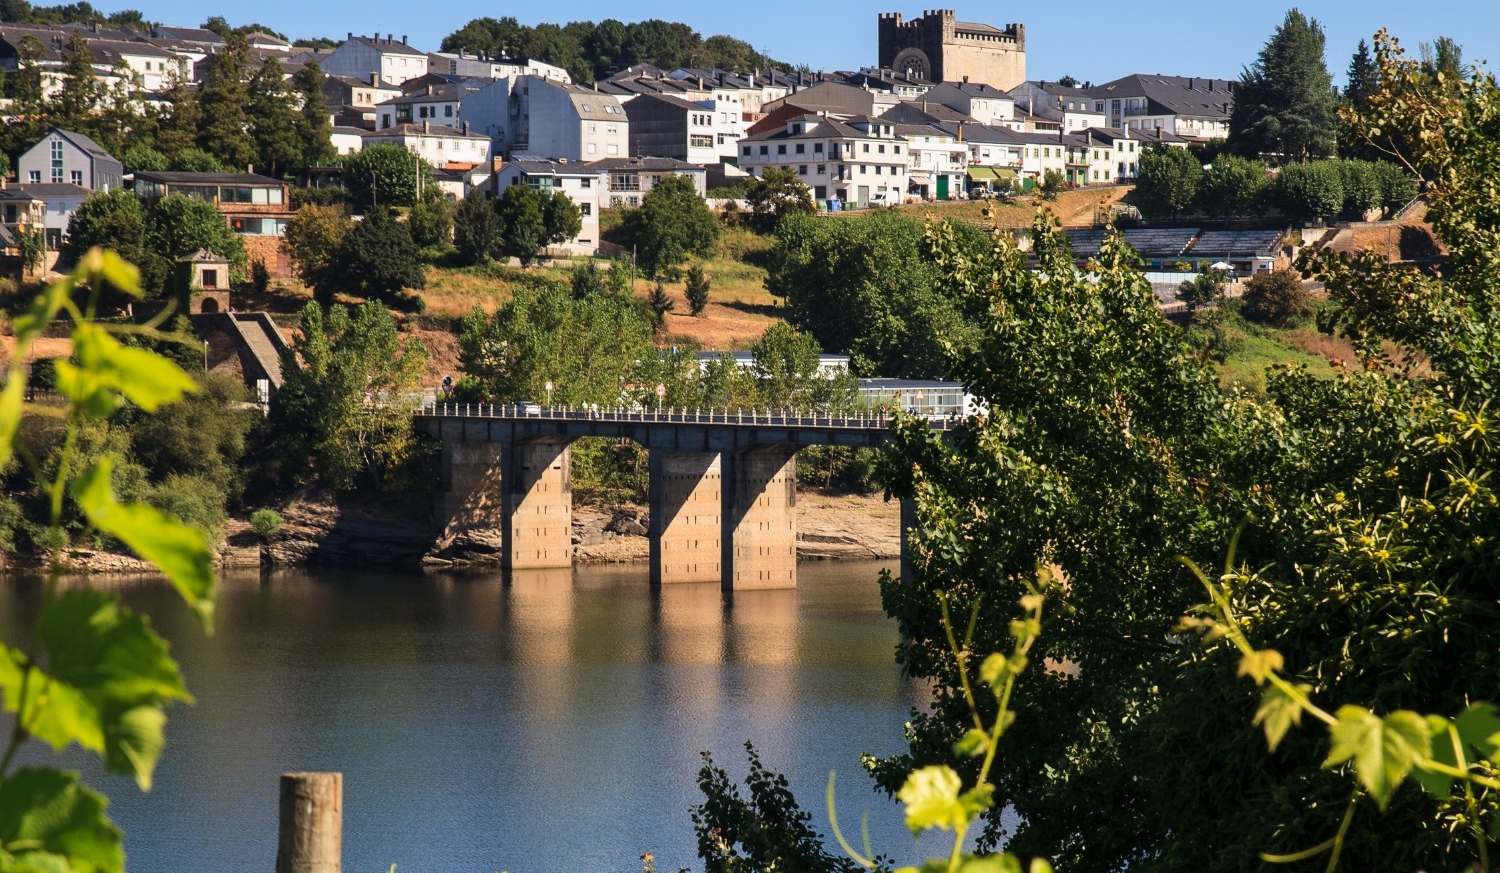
180, 552
1383, 749
46, 815
147, 379
1441, 732
1277, 712
931, 797
1479, 725
1260, 663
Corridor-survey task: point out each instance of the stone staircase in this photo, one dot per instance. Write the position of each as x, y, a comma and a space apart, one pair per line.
264, 341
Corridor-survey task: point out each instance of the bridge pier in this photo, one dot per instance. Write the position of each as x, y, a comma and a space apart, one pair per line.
760, 531
538, 505
687, 494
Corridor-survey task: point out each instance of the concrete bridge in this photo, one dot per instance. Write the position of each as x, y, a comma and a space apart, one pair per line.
723, 484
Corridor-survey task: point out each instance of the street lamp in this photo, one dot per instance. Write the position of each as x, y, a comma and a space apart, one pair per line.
548, 387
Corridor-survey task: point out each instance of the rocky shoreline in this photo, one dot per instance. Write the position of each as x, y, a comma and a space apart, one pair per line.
320, 530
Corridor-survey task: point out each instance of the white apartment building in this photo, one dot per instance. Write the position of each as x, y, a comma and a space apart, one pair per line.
580, 182
438, 104
535, 116
463, 63
436, 144
937, 163
983, 103
1192, 108
860, 161
389, 59
1072, 109
1122, 153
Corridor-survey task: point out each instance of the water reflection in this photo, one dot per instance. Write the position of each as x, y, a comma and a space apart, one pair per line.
549, 722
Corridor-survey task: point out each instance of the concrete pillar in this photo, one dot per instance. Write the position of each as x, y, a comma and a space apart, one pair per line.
761, 526
470, 506
687, 508
538, 504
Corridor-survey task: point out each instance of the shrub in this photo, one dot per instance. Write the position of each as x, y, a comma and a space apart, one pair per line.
1397, 187
698, 286
197, 500
1361, 188
660, 304
1277, 299
1232, 186
265, 522
1310, 191
260, 277
1168, 181
1052, 185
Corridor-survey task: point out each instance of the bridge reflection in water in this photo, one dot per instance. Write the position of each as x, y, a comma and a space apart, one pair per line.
723, 485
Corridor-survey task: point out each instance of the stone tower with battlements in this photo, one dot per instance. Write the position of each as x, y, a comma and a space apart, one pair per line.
940, 48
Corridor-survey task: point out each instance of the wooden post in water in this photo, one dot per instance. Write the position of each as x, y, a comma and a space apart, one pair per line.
310, 837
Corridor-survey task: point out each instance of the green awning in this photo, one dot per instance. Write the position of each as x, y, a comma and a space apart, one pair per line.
1005, 174
981, 174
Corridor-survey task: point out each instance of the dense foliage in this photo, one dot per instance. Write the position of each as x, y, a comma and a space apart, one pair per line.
671, 225
384, 175
870, 288
1109, 451
1168, 181
343, 413
589, 50
1285, 103
775, 194
156, 237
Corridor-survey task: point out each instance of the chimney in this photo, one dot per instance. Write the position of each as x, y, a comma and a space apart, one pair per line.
466, 128
374, 80
429, 90
426, 125
390, 37
403, 39
1191, 80
349, 35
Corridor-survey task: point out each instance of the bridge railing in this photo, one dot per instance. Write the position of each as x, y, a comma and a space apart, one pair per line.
858, 420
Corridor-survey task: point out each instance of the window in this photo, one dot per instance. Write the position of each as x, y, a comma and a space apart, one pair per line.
35, 176
763, 149
448, 111
822, 168
77, 177
593, 149
586, 182
210, 278
585, 209
781, 149
897, 149
867, 148
802, 169
747, 151
612, 149
801, 147
880, 148
817, 148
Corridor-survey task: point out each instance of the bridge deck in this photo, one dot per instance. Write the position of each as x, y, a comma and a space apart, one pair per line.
522, 412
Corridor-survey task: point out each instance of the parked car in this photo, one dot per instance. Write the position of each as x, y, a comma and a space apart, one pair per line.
528, 407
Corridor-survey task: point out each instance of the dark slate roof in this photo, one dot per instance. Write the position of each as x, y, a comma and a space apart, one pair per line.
190, 34
1002, 135
646, 85
640, 162
431, 130
924, 112
668, 99
978, 89
388, 46
89, 147
178, 177
438, 92
43, 190
816, 128
16, 194
1110, 134
1174, 95
534, 166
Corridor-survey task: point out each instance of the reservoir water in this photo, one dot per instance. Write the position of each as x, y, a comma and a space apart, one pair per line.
548, 725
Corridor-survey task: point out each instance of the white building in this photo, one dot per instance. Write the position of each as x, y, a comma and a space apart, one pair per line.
1188, 107
581, 184
388, 59
462, 63
626, 180
937, 163
436, 144
983, 103
531, 115
1072, 109
438, 104
348, 140
859, 162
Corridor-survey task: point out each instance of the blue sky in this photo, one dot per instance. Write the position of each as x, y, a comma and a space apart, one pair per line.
1089, 40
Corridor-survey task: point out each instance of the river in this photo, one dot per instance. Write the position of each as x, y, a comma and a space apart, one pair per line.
546, 726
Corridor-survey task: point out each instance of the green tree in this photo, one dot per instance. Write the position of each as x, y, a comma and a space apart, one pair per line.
1052, 185
384, 175
1311, 191
1276, 298
224, 129
143, 157
775, 194
79, 95
1362, 191
476, 228
671, 225
377, 260
196, 160
28, 104
320, 419
1363, 78
313, 238
314, 131
1168, 181
1397, 187
1285, 103
1206, 289
179, 121
660, 304
114, 220
431, 220
531, 219
869, 289
586, 280
785, 362
1232, 187
178, 225
697, 289
589, 348
274, 122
